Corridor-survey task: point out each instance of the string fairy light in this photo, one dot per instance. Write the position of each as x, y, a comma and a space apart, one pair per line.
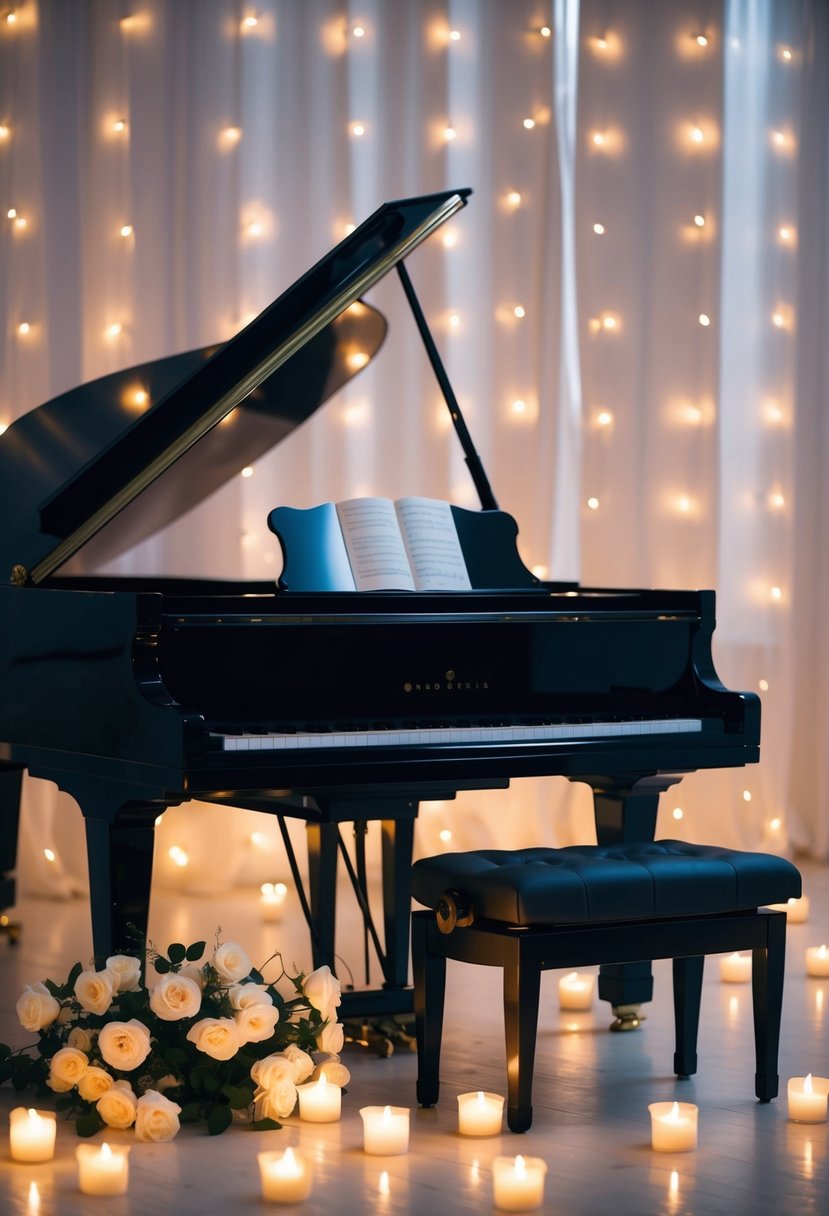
5, 131
126, 230
514, 198
599, 229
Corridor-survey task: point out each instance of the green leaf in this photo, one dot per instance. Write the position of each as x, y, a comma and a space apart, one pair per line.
5, 1051
89, 1124
176, 953
219, 1120
65, 1102
195, 952
239, 1096
175, 1056
72, 977
265, 1125
161, 965
53, 988
190, 1112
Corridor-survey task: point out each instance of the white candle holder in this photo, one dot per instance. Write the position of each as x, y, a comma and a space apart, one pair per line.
735, 968
673, 1126
103, 1169
575, 992
518, 1183
286, 1177
385, 1130
319, 1101
32, 1134
808, 1099
480, 1114
817, 961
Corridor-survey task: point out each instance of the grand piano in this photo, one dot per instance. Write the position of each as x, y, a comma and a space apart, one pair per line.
338, 708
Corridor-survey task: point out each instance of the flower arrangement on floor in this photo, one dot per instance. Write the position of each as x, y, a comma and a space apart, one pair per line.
210, 1041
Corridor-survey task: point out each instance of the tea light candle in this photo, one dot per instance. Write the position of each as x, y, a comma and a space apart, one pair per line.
104, 1170
32, 1134
518, 1183
286, 1177
480, 1114
385, 1130
735, 968
808, 1099
817, 960
673, 1126
575, 991
273, 898
319, 1101
797, 910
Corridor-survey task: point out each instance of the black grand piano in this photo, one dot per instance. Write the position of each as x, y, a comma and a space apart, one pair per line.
136, 694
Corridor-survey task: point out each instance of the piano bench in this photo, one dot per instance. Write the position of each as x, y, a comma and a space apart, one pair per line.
531, 910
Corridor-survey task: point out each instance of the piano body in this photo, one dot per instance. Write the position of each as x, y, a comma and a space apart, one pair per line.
137, 694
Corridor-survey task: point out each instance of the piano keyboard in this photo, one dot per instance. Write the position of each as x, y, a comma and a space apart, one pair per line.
428, 736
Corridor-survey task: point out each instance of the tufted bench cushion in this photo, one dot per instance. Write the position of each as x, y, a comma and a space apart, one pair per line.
583, 883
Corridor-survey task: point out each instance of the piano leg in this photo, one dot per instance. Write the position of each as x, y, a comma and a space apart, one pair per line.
322, 841
397, 849
120, 855
625, 809
10, 779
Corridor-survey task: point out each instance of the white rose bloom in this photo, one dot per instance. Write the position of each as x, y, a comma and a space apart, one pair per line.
192, 971
322, 989
300, 1062
275, 1103
175, 997
128, 971
95, 989
232, 963
94, 1083
256, 1022
243, 995
80, 1038
331, 1038
118, 1106
157, 1117
66, 1068
335, 1072
216, 1037
37, 1008
271, 1071
124, 1045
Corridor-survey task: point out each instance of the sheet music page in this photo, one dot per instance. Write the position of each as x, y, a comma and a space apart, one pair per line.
432, 543
374, 545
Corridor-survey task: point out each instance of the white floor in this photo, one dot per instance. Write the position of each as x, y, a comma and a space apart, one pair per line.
591, 1093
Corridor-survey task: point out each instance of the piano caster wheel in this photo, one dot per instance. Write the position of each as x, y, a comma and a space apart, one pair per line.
10, 929
628, 1017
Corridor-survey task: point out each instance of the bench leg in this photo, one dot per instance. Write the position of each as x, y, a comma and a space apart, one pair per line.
687, 996
522, 984
767, 991
429, 975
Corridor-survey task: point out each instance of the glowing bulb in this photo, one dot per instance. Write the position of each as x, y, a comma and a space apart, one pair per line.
357, 359
247, 471
677, 812
514, 198
20, 222
763, 685
604, 418
11, 213
785, 53
593, 504
776, 593
139, 397
449, 134
445, 835
119, 125
11, 17
598, 229
230, 136
610, 321
126, 230
24, 328
702, 40
357, 129
697, 135
699, 220
519, 311
704, 320
775, 824
5, 131
454, 35
254, 229
450, 240
114, 330
601, 42
50, 854
178, 856
545, 31
598, 139
358, 31
784, 233
529, 123
258, 839
683, 504
746, 795
776, 500
249, 23
519, 407
454, 320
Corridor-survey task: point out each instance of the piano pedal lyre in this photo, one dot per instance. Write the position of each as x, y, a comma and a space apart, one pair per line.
627, 1017
381, 1035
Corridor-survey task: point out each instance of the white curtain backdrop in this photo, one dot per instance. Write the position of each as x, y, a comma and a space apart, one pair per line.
632, 311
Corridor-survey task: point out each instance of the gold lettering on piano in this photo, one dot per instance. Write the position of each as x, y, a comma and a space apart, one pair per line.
449, 686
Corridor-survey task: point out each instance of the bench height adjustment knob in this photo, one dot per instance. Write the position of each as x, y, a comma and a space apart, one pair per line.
454, 909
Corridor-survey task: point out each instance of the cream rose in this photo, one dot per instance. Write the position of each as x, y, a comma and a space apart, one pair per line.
232, 963
127, 970
322, 989
335, 1072
94, 1083
300, 1062
275, 1103
66, 1068
241, 996
175, 997
271, 1071
94, 990
331, 1038
37, 1008
216, 1037
124, 1045
157, 1117
256, 1022
80, 1038
118, 1106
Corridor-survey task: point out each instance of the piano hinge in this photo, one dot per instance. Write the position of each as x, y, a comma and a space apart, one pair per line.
19, 576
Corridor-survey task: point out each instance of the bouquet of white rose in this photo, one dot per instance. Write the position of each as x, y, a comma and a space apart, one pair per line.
209, 1039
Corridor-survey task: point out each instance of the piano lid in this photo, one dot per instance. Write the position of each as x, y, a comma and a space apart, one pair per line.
82, 478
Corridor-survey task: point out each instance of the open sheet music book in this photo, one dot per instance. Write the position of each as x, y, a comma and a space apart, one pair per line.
409, 544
